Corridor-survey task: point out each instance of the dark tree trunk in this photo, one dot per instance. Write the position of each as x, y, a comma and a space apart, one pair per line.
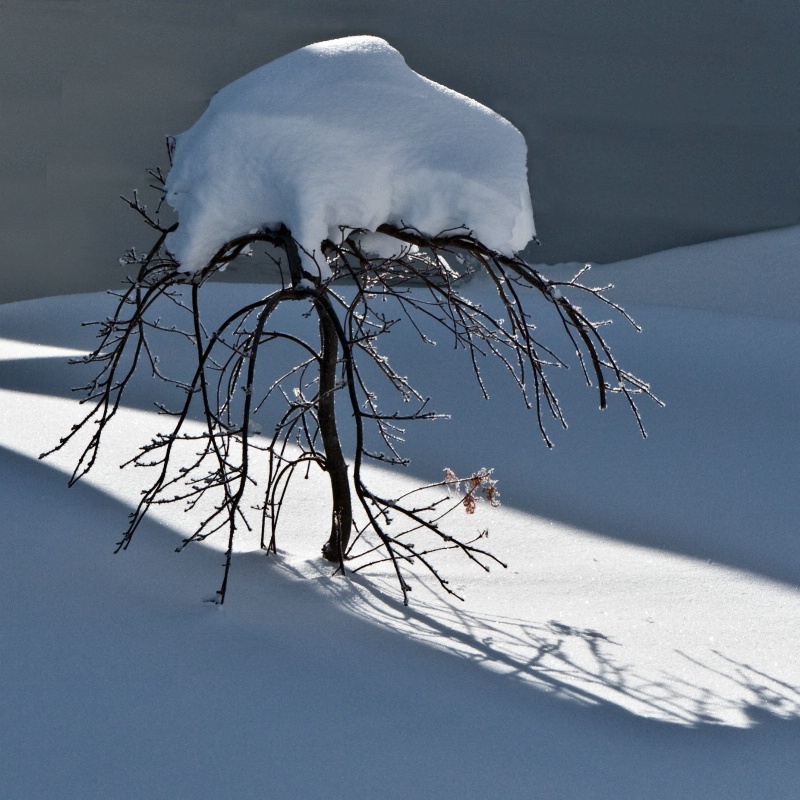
342, 513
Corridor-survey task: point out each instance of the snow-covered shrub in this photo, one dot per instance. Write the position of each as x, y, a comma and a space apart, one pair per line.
379, 192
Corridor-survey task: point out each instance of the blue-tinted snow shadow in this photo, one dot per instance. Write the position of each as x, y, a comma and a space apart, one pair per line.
124, 683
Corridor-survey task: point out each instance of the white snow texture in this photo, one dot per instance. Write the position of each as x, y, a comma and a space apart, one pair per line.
344, 133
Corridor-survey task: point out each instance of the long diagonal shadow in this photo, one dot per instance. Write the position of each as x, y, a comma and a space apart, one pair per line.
570, 660
575, 663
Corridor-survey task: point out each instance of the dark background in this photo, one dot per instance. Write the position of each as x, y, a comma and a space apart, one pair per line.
649, 125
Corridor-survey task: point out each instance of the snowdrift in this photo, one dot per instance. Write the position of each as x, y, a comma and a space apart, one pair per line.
344, 133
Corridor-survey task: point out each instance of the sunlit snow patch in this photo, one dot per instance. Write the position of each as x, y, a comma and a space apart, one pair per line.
13, 349
344, 133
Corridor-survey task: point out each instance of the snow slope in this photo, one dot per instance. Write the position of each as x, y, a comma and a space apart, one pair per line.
641, 644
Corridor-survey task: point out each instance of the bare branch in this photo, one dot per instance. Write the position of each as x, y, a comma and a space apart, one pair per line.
234, 385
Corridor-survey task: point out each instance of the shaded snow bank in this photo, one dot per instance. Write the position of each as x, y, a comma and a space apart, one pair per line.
755, 274
345, 133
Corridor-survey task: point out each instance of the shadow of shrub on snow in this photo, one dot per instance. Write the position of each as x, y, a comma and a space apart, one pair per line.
583, 665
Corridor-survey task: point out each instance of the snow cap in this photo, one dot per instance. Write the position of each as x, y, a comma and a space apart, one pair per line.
344, 133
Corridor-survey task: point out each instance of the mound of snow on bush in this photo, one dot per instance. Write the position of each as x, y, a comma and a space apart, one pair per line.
344, 133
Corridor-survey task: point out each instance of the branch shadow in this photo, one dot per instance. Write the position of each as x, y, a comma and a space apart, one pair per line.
577, 664
574, 663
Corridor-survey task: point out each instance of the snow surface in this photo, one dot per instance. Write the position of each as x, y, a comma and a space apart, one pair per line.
343, 133
642, 643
